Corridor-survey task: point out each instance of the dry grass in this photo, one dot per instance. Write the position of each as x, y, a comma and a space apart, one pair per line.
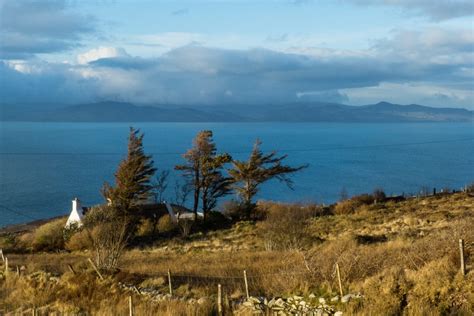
403, 257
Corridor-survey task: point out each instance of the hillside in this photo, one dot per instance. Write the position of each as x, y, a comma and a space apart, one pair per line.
395, 257
298, 112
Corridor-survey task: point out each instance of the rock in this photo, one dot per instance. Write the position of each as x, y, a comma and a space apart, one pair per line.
312, 295
335, 298
339, 313
346, 298
322, 300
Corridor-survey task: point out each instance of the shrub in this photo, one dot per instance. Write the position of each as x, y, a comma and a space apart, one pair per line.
81, 240
110, 232
233, 210
216, 220
166, 225
379, 195
285, 226
145, 228
26, 240
351, 205
470, 188
49, 236
8, 242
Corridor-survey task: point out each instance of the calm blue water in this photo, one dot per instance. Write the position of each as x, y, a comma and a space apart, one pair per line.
44, 165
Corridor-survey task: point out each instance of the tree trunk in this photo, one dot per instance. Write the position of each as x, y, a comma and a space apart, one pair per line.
197, 188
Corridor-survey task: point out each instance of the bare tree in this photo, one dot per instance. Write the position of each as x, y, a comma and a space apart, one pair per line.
181, 191
160, 185
109, 232
185, 224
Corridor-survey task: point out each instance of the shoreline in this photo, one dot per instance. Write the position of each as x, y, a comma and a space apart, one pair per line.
28, 226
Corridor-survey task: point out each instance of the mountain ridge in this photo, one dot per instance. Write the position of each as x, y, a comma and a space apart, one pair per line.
111, 111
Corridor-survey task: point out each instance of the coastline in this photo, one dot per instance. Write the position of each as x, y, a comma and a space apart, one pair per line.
25, 227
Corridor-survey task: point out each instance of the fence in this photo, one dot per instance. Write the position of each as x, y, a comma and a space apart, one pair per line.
220, 281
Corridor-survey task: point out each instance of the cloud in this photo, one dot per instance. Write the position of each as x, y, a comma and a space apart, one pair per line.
38, 82
30, 27
437, 10
404, 66
99, 53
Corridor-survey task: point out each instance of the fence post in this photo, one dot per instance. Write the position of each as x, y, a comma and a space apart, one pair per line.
434, 191
17, 271
6, 266
95, 268
169, 282
71, 269
461, 253
34, 311
1, 254
219, 300
338, 272
130, 306
246, 284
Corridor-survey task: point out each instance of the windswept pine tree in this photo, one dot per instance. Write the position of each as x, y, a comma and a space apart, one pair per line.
248, 175
133, 177
203, 172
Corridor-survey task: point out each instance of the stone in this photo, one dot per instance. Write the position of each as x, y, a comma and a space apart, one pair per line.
335, 298
346, 298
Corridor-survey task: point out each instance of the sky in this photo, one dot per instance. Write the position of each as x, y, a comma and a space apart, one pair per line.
225, 52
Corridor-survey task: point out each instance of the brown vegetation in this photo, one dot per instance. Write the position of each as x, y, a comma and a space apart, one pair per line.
403, 257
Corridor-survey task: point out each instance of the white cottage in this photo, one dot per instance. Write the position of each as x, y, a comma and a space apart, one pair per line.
77, 213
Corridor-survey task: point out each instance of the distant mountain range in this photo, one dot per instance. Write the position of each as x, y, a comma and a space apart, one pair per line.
297, 112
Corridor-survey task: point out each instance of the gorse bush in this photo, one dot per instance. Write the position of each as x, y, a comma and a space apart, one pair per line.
50, 236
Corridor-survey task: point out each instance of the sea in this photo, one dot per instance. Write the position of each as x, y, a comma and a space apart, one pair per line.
43, 166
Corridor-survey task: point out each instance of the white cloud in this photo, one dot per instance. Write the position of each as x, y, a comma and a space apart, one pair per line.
99, 53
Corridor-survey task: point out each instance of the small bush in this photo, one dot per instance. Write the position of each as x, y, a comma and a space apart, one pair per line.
286, 227
351, 205
379, 195
237, 211
49, 236
470, 188
166, 225
26, 240
145, 228
81, 240
216, 220
8, 242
